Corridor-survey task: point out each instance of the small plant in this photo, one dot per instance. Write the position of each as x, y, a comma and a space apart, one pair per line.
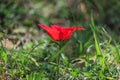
58, 33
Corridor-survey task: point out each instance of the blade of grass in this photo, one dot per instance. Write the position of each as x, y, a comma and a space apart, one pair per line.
3, 54
117, 50
99, 54
59, 52
29, 53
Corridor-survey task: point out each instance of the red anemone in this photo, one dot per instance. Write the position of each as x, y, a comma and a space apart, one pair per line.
59, 33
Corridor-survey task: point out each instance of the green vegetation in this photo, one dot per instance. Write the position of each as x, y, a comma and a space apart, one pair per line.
27, 53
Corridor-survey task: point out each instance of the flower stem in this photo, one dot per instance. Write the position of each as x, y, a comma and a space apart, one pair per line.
58, 62
58, 65
61, 46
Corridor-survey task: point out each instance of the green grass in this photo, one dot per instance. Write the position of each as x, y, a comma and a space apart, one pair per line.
93, 54
98, 54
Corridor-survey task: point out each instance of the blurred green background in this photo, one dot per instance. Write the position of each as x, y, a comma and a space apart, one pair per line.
25, 51
16, 13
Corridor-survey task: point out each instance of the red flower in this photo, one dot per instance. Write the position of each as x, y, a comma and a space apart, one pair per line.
58, 33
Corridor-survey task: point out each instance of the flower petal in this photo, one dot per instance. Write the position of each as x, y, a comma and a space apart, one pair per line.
53, 33
67, 33
80, 28
57, 32
57, 27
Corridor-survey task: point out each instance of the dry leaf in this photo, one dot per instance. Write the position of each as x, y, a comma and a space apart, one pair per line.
7, 43
81, 64
23, 31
